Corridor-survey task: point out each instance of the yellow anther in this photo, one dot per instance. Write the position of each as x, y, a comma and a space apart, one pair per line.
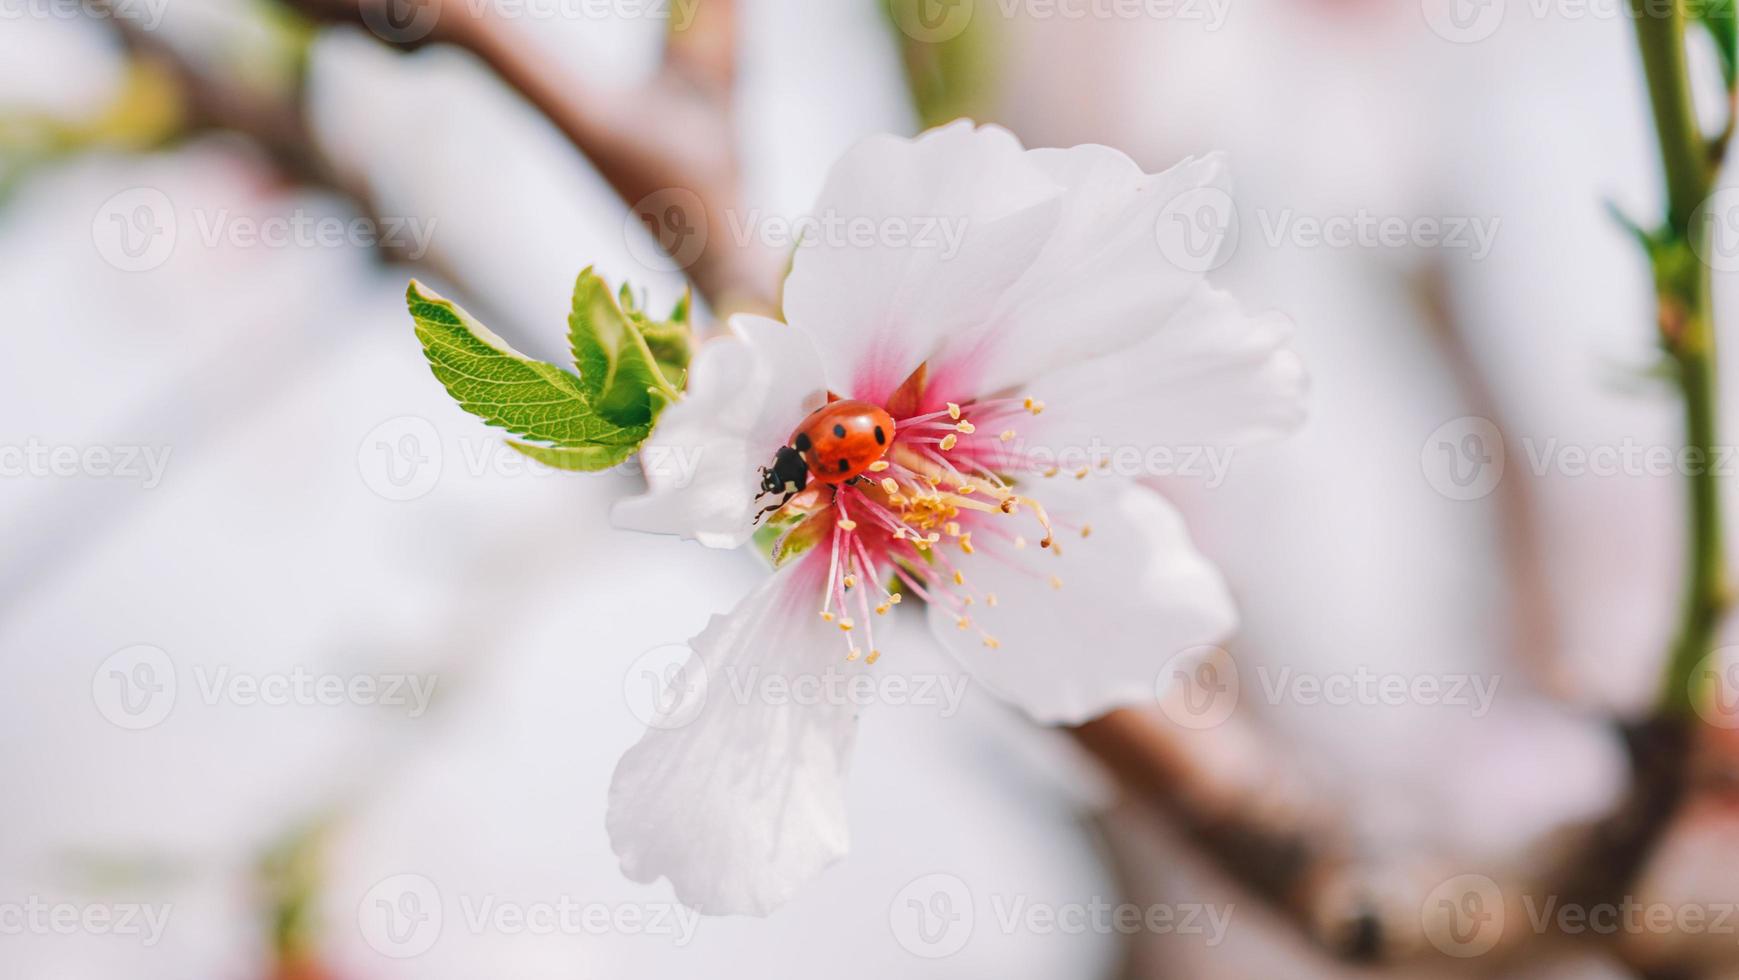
1056, 583
953, 410
1081, 474
879, 465
966, 601
933, 538
992, 642
847, 524
963, 623
1046, 541
874, 656
882, 610
959, 577
1051, 471
1007, 435
889, 485
965, 428
966, 489
1036, 407
949, 441
990, 598
826, 615
1086, 530
953, 528
851, 581
966, 543
1028, 404
1009, 504
854, 654
846, 625
895, 598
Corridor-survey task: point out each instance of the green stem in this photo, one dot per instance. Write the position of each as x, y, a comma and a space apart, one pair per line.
1660, 32
1686, 325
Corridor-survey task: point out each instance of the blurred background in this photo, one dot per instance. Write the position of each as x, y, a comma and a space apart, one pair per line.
230, 483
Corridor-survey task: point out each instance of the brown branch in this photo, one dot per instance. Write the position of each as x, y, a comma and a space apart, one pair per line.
667, 148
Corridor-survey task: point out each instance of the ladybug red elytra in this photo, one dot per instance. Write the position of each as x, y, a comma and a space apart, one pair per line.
836, 443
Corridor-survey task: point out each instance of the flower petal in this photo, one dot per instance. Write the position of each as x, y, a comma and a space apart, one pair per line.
1132, 595
1105, 279
737, 797
746, 391
953, 217
1210, 377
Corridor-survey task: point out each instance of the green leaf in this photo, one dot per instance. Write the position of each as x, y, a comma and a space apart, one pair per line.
538, 401
583, 459
618, 372
670, 341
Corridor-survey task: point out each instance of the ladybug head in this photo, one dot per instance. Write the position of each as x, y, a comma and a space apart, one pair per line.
788, 474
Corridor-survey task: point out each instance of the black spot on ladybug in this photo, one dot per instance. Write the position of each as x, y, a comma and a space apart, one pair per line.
839, 430
844, 464
881, 437
801, 443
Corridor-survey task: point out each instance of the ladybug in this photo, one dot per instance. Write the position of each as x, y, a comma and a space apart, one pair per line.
836, 443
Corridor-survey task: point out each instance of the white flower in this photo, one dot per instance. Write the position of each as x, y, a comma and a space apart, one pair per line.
1055, 324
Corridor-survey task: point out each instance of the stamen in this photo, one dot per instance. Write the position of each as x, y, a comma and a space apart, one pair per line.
953, 410
879, 465
949, 441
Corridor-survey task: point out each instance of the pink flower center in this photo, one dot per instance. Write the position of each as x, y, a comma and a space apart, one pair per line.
947, 477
